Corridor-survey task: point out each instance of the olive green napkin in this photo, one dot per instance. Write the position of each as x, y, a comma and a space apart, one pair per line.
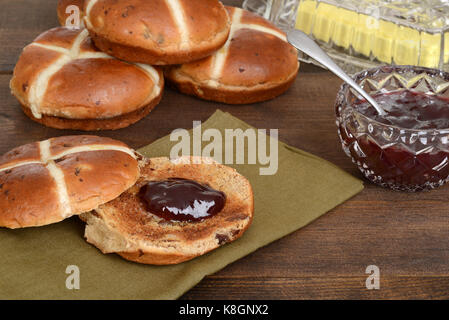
33, 261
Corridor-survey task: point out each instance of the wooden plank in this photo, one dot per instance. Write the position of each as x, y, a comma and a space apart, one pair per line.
352, 288
20, 22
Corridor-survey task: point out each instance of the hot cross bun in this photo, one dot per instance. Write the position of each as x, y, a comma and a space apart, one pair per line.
157, 32
256, 64
48, 181
64, 82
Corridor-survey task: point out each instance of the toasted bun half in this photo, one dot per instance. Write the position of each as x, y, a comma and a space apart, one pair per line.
63, 81
125, 227
157, 32
63, 15
48, 181
256, 64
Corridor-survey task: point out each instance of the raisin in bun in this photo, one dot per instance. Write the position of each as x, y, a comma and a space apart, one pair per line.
64, 82
62, 10
48, 181
126, 226
256, 64
157, 32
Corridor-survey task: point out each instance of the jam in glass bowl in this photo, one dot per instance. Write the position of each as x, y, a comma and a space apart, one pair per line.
408, 148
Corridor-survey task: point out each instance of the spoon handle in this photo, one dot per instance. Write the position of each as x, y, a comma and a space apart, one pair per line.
303, 43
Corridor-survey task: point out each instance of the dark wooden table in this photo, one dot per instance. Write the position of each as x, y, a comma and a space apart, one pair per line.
405, 235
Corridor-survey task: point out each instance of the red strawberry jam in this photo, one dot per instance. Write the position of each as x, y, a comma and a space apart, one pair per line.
409, 109
177, 199
406, 151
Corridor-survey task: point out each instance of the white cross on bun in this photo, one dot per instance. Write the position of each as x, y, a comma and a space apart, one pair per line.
256, 64
125, 227
48, 181
157, 32
64, 82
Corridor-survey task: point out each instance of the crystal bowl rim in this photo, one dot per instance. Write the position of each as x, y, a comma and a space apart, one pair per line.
361, 75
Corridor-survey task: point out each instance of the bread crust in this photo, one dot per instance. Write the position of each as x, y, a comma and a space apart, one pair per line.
229, 94
125, 227
114, 123
256, 64
48, 181
155, 32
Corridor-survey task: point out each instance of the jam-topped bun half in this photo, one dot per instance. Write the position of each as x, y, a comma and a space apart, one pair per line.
63, 81
157, 32
48, 181
256, 64
176, 211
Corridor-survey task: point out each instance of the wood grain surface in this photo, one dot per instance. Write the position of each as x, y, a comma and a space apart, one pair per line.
405, 235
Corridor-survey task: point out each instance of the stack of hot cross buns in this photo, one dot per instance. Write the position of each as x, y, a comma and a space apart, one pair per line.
109, 72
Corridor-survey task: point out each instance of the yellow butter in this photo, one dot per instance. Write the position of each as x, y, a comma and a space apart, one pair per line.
383, 41
406, 46
363, 34
446, 47
371, 36
324, 21
306, 15
430, 50
344, 25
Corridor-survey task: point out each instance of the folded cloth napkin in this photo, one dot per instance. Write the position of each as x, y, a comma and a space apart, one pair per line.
37, 263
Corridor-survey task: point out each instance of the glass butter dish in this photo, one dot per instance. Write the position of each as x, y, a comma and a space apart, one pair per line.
361, 34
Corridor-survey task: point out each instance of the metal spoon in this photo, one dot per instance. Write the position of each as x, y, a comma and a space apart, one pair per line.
303, 43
